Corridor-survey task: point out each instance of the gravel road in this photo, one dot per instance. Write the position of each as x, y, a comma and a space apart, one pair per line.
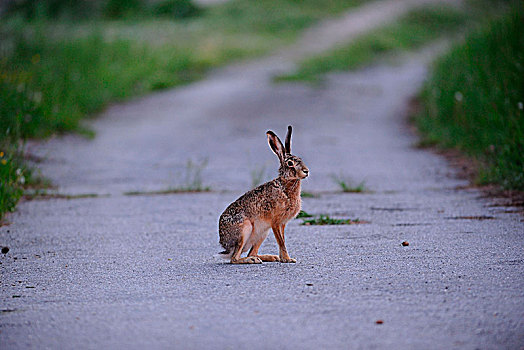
116, 271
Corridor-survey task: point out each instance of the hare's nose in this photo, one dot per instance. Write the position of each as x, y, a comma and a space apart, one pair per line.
306, 171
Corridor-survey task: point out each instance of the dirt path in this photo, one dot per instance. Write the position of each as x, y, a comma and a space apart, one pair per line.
140, 271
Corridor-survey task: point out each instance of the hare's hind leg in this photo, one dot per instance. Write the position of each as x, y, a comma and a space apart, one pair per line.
267, 257
246, 229
254, 252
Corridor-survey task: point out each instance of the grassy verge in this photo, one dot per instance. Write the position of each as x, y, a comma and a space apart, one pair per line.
15, 176
474, 101
412, 30
11, 182
54, 73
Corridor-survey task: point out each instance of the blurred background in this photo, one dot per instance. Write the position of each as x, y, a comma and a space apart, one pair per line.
62, 61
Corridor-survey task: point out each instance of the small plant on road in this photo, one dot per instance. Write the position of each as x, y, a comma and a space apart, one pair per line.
258, 175
324, 219
170, 190
303, 214
193, 181
346, 184
193, 177
306, 194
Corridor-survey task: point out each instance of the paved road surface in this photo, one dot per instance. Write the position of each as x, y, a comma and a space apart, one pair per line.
118, 271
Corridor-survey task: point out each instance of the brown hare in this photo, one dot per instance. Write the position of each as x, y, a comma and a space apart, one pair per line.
245, 223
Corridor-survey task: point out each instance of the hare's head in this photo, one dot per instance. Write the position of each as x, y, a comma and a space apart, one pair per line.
291, 167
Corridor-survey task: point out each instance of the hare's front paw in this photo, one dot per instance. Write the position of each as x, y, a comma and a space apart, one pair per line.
288, 260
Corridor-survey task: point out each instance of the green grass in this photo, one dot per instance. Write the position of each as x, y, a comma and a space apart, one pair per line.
54, 73
474, 100
411, 31
326, 220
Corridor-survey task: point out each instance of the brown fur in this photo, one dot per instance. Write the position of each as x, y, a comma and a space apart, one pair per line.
245, 222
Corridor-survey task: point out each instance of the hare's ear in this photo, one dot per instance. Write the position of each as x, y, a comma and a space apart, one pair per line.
276, 145
288, 139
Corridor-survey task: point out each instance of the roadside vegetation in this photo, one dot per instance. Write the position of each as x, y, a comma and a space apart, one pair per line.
474, 101
62, 61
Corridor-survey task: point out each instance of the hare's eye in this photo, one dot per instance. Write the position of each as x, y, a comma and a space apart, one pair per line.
290, 163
